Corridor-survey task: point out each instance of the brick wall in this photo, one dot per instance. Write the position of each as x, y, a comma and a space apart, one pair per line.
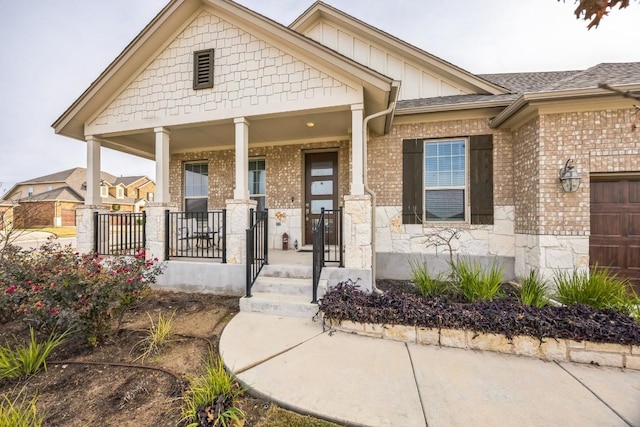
385, 157
598, 142
38, 214
284, 173
526, 177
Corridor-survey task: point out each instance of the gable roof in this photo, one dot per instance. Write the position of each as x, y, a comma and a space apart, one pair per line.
321, 11
173, 17
66, 194
75, 188
528, 82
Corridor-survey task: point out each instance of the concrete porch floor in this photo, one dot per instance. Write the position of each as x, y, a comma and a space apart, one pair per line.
290, 257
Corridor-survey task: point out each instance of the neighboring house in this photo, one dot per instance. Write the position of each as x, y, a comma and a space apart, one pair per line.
6, 215
239, 111
51, 200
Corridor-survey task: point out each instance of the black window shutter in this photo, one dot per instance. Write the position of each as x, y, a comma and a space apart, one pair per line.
203, 69
412, 185
481, 180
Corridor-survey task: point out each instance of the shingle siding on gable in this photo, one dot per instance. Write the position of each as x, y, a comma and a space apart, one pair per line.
247, 72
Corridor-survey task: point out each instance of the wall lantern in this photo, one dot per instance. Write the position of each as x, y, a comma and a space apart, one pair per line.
569, 178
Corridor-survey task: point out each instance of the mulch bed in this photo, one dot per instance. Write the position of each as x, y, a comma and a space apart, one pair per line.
400, 304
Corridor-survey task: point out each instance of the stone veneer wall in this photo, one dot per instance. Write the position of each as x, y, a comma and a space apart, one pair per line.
397, 243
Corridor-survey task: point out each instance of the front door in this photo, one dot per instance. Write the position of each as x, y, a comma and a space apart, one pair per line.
321, 182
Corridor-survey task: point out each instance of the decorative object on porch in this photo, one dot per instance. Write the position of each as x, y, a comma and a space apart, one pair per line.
569, 178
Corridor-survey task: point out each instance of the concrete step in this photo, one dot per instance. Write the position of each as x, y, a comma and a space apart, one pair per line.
287, 271
285, 285
279, 304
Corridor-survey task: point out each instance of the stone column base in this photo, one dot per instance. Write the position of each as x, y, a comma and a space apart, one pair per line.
156, 229
236, 232
85, 226
358, 232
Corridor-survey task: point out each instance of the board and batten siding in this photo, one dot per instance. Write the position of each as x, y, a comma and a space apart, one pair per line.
417, 81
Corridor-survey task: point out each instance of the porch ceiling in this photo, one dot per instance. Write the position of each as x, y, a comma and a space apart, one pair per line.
288, 129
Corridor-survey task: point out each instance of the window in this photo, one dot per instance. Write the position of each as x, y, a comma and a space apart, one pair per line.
444, 179
203, 69
196, 187
104, 191
30, 193
49, 188
448, 180
258, 182
150, 196
119, 193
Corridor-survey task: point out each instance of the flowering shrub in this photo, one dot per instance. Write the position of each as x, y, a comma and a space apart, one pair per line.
55, 288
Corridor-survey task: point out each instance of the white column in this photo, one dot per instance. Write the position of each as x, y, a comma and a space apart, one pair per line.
241, 190
357, 150
162, 165
93, 172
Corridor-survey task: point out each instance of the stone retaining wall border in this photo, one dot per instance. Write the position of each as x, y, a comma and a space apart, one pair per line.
549, 349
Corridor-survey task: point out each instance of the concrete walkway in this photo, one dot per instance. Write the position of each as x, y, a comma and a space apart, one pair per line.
363, 381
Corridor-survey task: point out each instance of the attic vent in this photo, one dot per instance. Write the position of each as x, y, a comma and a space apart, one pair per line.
203, 69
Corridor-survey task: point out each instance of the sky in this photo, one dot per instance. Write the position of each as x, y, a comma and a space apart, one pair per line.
51, 51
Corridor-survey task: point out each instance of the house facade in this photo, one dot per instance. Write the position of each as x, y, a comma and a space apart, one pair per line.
240, 113
51, 200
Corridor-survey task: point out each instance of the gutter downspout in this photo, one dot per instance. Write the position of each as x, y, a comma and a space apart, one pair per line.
395, 85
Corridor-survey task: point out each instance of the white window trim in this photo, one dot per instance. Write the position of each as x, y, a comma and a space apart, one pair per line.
467, 206
104, 191
265, 179
184, 182
119, 193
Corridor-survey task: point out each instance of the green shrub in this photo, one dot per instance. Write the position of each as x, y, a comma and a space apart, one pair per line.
427, 286
55, 288
27, 359
534, 290
214, 392
19, 412
600, 288
474, 282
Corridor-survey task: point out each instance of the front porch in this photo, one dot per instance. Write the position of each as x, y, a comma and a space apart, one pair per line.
272, 280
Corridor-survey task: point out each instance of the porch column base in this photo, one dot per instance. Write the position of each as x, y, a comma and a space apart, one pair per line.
236, 232
358, 242
85, 226
548, 254
156, 229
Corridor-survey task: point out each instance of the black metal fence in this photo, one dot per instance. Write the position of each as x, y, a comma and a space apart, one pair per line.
333, 236
119, 233
196, 235
257, 245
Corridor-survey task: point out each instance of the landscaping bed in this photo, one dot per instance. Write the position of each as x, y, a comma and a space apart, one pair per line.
401, 304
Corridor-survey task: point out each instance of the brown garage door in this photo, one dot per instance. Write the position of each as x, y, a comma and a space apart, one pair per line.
615, 227
68, 217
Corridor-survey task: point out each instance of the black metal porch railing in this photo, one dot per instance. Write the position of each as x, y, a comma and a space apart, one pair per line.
318, 254
119, 233
333, 236
257, 245
327, 244
196, 235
